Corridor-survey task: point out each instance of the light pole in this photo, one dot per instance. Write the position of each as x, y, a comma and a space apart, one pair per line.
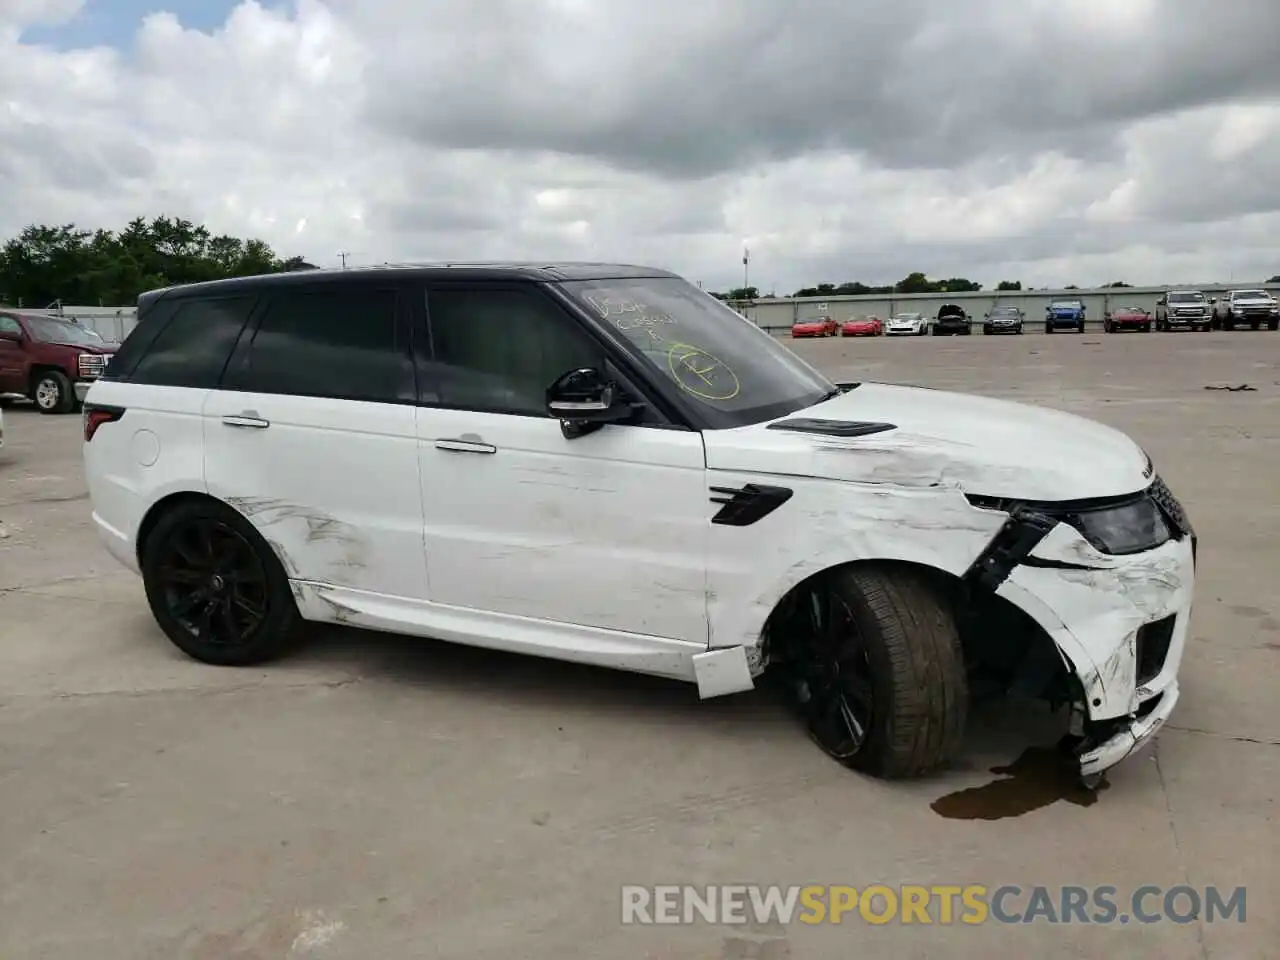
746, 260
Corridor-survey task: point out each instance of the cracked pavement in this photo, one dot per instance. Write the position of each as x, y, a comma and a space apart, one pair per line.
373, 796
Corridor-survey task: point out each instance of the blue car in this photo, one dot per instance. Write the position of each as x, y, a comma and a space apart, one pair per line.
1064, 315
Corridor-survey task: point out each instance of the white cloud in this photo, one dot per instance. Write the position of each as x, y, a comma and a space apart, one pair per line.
1048, 142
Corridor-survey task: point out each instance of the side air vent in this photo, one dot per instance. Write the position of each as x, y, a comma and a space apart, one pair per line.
832, 428
741, 507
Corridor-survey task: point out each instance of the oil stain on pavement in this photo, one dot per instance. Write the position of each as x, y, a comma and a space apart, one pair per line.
1040, 777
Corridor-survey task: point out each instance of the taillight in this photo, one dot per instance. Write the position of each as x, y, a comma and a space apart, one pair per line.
94, 417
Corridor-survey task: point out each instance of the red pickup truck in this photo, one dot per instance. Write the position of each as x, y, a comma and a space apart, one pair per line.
49, 360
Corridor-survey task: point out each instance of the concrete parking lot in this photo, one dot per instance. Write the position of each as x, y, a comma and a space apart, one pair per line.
377, 797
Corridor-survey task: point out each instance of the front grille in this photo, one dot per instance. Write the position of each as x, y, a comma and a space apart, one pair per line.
91, 365
1152, 647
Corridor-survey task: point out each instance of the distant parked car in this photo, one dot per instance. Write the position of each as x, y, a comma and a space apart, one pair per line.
1126, 318
818, 327
952, 318
1183, 308
906, 325
862, 327
1003, 320
1064, 315
1254, 307
49, 360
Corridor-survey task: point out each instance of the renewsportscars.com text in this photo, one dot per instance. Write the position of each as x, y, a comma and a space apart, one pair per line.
935, 904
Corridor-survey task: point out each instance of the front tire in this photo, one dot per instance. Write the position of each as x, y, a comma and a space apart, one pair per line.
875, 668
52, 393
215, 586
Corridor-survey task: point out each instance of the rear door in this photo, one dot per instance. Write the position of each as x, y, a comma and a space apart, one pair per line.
312, 435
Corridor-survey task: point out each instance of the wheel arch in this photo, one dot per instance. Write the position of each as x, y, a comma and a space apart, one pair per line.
1000, 630
40, 368
162, 506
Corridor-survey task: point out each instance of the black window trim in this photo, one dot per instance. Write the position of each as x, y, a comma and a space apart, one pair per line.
404, 330
634, 377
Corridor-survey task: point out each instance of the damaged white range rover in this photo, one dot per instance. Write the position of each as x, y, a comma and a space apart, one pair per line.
606, 465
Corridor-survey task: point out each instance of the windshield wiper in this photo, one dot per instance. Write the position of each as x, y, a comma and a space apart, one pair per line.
835, 391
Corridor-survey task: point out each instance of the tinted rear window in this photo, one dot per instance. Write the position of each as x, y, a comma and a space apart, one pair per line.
192, 348
329, 341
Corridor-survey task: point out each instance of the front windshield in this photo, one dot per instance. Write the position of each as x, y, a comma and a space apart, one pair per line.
908, 316
1251, 295
1186, 298
62, 331
1065, 305
734, 372
1002, 310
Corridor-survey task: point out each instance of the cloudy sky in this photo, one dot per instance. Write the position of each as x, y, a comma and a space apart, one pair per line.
1051, 141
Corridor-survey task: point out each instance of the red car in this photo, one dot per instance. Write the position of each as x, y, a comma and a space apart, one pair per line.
862, 327
49, 360
820, 327
1126, 318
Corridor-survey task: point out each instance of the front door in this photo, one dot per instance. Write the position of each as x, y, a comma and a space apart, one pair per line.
313, 437
606, 531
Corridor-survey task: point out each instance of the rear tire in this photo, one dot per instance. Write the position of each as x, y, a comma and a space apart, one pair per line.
876, 670
203, 556
52, 393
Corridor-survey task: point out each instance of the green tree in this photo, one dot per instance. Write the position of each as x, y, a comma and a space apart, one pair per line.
1009, 285
744, 293
915, 283
45, 264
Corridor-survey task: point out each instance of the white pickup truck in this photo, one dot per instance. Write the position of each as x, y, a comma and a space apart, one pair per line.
1254, 307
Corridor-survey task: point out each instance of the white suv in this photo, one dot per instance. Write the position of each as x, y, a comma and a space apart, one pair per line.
605, 464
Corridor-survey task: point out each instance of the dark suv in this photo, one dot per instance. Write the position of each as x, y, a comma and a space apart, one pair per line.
952, 318
49, 360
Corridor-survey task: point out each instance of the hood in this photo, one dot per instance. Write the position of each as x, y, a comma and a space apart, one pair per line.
1254, 300
950, 310
95, 348
1064, 311
996, 448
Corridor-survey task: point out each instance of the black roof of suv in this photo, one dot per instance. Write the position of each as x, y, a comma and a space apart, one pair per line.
534, 270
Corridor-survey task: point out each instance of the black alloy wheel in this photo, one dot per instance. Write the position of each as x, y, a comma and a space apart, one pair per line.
834, 687
869, 659
216, 587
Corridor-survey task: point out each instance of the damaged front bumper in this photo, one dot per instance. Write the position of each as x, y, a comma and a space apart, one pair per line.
1120, 622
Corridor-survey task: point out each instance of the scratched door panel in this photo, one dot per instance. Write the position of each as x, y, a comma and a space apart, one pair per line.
608, 530
332, 484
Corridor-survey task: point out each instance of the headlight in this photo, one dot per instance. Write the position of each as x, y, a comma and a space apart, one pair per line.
1129, 528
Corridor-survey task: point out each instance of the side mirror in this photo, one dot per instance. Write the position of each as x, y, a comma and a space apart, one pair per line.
584, 401
13, 335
